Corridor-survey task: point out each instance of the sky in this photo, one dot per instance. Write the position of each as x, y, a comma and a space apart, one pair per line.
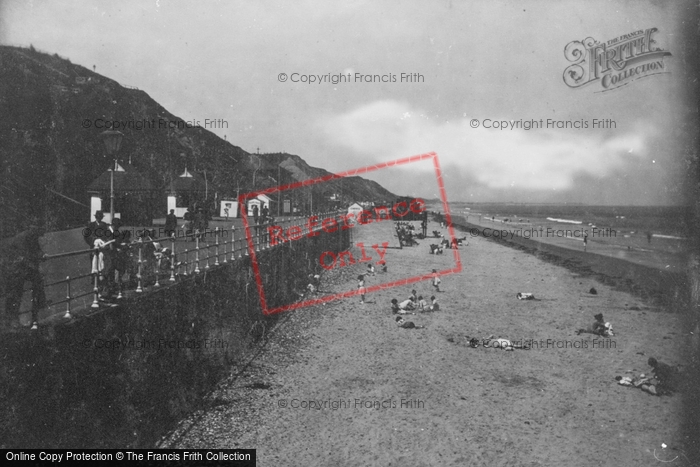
471, 61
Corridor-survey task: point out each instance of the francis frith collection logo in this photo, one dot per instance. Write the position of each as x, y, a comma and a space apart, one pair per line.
614, 63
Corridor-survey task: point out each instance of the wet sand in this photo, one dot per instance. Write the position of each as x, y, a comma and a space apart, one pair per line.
392, 396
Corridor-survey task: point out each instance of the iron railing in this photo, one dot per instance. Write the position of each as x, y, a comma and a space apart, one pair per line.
167, 264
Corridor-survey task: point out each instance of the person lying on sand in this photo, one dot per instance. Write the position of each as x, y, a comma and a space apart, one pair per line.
401, 308
664, 381
499, 343
406, 324
599, 327
641, 382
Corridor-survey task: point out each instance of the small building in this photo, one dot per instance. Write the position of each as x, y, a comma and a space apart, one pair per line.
261, 201
355, 209
134, 197
228, 208
185, 190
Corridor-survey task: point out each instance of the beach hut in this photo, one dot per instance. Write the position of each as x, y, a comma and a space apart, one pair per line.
261, 201
355, 209
228, 208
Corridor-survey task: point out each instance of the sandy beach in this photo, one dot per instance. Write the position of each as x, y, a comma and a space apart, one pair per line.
383, 395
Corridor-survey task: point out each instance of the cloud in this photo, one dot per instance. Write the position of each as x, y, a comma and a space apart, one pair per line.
535, 159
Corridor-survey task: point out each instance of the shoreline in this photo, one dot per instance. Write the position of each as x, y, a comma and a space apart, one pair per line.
662, 287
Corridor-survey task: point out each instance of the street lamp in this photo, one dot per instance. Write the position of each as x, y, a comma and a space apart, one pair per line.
113, 140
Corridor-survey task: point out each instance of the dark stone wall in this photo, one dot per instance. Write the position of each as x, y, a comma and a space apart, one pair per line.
122, 377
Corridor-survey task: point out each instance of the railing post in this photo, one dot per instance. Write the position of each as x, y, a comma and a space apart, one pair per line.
95, 301
121, 286
196, 255
139, 274
216, 246
233, 243
257, 237
67, 315
225, 252
187, 261
208, 250
172, 259
157, 268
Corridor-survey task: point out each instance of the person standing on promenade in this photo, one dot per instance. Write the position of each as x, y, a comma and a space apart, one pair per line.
200, 224
120, 254
107, 262
21, 256
585, 241
256, 214
170, 224
95, 230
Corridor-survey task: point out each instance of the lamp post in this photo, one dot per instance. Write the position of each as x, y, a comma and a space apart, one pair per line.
113, 140
279, 193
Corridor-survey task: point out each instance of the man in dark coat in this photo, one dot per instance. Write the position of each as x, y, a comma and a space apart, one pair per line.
119, 256
21, 256
200, 224
170, 223
256, 214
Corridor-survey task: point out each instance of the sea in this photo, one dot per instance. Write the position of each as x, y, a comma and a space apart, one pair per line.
661, 221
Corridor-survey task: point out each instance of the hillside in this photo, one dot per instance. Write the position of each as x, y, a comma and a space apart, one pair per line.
49, 157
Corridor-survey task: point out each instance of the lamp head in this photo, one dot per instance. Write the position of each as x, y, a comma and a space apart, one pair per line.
113, 140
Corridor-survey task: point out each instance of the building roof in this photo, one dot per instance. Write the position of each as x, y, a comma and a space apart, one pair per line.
126, 178
187, 181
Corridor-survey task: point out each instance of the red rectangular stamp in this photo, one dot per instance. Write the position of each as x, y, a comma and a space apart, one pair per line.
314, 225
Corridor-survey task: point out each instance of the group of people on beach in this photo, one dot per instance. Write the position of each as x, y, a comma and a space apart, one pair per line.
416, 303
406, 233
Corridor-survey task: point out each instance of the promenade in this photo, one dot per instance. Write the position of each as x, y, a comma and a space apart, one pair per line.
230, 237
